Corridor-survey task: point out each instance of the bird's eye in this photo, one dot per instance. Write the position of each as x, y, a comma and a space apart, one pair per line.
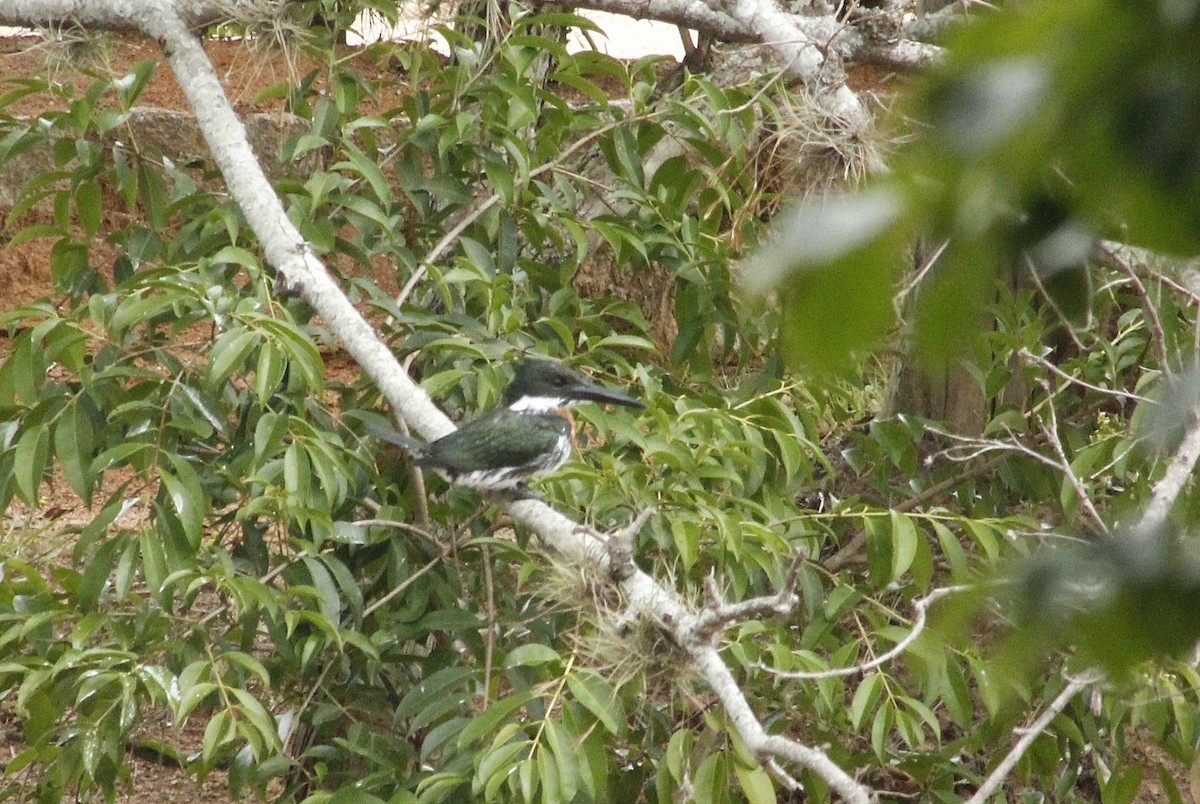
560, 381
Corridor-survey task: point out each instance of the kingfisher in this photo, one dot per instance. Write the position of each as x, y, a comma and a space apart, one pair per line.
529, 435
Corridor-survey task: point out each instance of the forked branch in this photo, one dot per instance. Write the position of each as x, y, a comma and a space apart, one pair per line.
298, 265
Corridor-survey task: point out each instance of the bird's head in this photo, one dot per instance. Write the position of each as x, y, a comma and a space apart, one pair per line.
544, 386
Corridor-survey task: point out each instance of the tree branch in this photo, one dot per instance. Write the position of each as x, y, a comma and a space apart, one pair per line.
298, 266
1050, 429
1171, 484
890, 44
646, 596
130, 16
921, 606
1028, 735
719, 615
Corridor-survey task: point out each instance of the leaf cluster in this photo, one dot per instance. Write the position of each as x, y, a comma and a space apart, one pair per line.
256, 574
246, 570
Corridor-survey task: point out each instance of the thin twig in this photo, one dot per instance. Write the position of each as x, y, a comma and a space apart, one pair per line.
1166, 279
1067, 325
416, 478
487, 204
308, 699
638, 522
854, 547
271, 575
1158, 336
1055, 370
443, 550
719, 615
1028, 735
404, 526
489, 641
1085, 499
969, 448
619, 546
921, 606
441, 246
788, 780
918, 276
407, 582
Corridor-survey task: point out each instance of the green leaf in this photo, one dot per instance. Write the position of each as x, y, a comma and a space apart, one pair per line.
236, 255
219, 731
89, 206
500, 177
628, 155
879, 550
546, 776
881, 726
488, 720
711, 782
264, 731
154, 560
444, 682
32, 453
756, 784
331, 603
186, 497
366, 167
229, 354
73, 443
598, 696
531, 655
679, 754
952, 551
99, 568
351, 795
496, 764
1123, 786
248, 663
905, 540
479, 256
302, 353
565, 759
865, 699
832, 264
268, 436
153, 194
269, 371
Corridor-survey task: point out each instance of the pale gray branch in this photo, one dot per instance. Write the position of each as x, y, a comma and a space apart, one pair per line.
1030, 357
1171, 484
921, 606
895, 47
719, 614
1028, 735
1086, 506
130, 16
651, 599
299, 267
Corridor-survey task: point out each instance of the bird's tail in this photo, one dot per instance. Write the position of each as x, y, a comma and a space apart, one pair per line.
412, 446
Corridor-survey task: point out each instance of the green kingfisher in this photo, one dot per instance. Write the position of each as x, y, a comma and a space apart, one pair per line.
531, 434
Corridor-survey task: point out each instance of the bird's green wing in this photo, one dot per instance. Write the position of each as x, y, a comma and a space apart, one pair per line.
498, 440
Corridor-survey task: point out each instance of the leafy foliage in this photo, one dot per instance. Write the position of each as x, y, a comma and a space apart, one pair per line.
252, 569
1036, 155
223, 576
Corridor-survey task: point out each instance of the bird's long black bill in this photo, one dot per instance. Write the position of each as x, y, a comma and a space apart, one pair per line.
598, 393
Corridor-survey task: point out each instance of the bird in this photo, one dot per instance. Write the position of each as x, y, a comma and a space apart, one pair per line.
530, 435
